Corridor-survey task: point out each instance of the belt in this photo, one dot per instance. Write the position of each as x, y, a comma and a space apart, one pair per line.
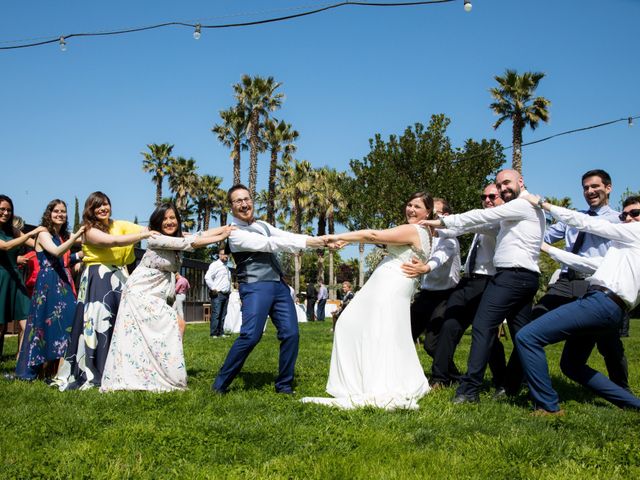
477, 275
609, 293
516, 269
573, 275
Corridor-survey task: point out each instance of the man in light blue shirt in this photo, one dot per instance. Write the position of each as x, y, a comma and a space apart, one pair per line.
571, 285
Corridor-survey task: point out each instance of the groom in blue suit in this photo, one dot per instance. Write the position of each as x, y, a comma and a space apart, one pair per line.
262, 290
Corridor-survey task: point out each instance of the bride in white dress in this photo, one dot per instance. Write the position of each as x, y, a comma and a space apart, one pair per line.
146, 348
374, 360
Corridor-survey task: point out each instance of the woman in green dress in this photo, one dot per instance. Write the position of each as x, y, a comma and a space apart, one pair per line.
14, 300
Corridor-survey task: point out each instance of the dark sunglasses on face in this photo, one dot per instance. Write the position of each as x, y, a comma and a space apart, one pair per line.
491, 196
631, 213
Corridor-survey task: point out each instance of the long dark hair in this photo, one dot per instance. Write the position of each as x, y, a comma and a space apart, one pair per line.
427, 200
8, 227
156, 218
48, 223
93, 201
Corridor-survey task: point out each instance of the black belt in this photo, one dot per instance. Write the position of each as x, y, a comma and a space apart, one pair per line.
477, 275
516, 269
573, 275
612, 295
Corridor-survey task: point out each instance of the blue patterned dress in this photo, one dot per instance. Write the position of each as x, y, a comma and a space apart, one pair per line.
50, 316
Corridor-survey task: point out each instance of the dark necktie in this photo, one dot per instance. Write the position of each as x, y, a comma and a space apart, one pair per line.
473, 254
578, 245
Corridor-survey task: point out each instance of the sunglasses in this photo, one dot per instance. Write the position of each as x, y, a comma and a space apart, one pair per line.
491, 196
631, 213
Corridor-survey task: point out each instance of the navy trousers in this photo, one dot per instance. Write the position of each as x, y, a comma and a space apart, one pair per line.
259, 300
219, 304
578, 322
320, 309
508, 296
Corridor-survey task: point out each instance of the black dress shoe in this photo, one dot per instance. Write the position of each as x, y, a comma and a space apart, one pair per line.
461, 398
500, 393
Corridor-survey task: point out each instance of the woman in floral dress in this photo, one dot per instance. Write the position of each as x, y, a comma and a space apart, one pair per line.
146, 348
54, 297
108, 248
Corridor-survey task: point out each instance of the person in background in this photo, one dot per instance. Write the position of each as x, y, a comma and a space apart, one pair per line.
218, 280
311, 294
14, 299
54, 298
347, 296
323, 296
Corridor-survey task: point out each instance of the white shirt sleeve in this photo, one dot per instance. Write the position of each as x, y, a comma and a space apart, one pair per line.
628, 233
445, 249
580, 264
457, 231
279, 241
210, 275
517, 209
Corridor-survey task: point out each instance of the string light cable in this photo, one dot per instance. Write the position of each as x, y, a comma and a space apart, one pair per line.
199, 26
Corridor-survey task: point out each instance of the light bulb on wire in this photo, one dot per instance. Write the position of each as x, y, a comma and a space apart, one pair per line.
196, 33
63, 44
467, 5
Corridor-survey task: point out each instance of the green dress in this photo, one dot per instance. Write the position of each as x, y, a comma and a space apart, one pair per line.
14, 300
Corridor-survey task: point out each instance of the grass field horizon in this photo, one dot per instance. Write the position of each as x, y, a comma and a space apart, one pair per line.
252, 432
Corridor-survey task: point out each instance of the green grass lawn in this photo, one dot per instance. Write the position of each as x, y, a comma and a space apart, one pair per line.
254, 433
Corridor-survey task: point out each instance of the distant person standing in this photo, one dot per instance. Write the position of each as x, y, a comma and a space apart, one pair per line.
182, 285
311, 301
323, 296
218, 278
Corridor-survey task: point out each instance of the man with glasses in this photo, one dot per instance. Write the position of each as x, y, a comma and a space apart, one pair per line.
613, 291
262, 290
572, 284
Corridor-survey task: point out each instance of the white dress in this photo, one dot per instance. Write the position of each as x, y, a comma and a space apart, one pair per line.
146, 348
233, 320
374, 360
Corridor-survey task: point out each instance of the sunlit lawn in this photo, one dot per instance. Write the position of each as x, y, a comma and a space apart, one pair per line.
254, 433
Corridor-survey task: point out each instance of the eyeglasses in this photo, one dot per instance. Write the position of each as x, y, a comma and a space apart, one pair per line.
491, 196
5, 210
240, 201
631, 213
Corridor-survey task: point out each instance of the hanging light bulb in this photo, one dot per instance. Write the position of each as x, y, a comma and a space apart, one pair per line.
63, 44
630, 120
196, 33
467, 5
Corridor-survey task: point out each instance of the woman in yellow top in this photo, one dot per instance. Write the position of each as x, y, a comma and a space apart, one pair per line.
108, 248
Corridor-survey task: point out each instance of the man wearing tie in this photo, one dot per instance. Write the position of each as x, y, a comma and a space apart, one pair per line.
571, 285
262, 290
463, 303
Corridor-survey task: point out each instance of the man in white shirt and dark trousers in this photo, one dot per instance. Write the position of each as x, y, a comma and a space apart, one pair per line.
218, 280
572, 284
463, 304
262, 290
510, 292
613, 291
440, 275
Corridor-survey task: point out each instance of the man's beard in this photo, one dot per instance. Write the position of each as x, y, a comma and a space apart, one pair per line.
509, 194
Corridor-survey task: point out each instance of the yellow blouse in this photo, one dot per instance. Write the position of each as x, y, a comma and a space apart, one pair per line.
119, 256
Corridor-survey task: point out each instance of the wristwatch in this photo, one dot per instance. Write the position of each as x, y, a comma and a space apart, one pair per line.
540, 202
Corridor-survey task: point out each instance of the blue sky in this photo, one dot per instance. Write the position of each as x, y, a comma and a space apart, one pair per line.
76, 121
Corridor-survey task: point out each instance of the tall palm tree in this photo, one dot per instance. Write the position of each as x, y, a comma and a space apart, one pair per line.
295, 179
278, 137
183, 181
232, 134
157, 161
257, 96
514, 101
207, 198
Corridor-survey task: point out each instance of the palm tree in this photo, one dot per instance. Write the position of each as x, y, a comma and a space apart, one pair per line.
232, 134
295, 179
157, 162
183, 181
514, 101
279, 137
207, 197
257, 96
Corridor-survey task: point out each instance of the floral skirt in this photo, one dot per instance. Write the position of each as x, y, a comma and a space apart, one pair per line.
95, 316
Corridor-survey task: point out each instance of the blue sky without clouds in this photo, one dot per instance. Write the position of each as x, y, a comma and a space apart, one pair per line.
76, 121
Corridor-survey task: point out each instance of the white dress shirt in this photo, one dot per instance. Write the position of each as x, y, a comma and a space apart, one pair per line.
445, 265
620, 267
218, 277
486, 235
242, 240
521, 231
